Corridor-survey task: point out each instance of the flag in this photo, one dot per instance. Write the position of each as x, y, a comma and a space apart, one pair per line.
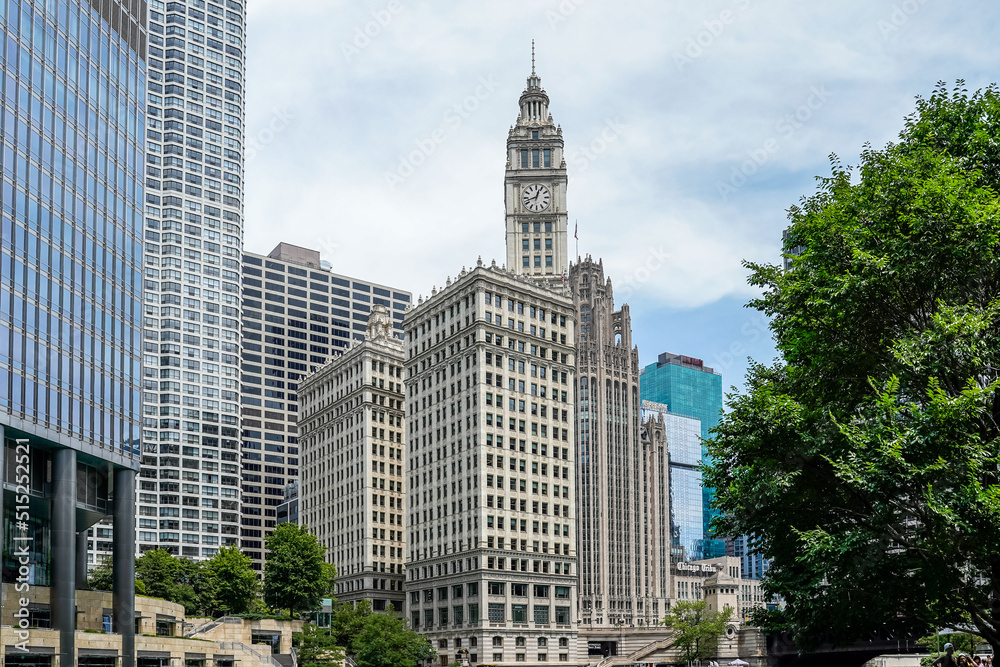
576, 231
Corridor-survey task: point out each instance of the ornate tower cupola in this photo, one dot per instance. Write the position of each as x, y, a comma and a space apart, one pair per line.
535, 188
534, 100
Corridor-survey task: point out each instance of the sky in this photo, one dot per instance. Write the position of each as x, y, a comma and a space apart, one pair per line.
376, 134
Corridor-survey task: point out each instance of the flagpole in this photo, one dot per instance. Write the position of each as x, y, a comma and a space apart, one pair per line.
576, 235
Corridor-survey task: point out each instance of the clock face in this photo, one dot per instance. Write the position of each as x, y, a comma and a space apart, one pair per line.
535, 197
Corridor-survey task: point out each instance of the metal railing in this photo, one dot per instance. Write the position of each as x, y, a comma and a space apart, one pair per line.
637, 655
265, 659
201, 629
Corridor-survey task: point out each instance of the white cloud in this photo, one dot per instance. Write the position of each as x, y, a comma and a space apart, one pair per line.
361, 105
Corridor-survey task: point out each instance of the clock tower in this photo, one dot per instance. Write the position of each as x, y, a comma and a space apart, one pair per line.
535, 189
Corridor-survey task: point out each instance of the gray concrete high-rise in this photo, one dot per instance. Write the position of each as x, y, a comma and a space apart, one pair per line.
297, 316
70, 307
189, 487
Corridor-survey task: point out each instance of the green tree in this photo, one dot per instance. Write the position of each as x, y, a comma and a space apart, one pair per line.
962, 641
179, 580
158, 571
329, 579
348, 620
316, 647
101, 577
385, 641
866, 459
233, 584
697, 628
295, 577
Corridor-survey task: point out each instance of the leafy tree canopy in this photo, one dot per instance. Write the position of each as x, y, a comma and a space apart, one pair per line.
159, 572
962, 641
234, 586
386, 641
866, 459
697, 628
102, 576
316, 647
348, 620
296, 576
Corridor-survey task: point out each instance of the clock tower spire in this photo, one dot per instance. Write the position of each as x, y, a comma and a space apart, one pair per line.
535, 188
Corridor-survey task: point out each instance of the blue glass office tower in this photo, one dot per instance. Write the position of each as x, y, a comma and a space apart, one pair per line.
73, 90
690, 389
687, 529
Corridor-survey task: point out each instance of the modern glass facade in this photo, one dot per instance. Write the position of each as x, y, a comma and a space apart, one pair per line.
753, 565
687, 530
297, 315
73, 133
189, 486
690, 389
70, 245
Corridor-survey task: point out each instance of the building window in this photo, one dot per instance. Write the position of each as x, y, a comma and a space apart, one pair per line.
497, 642
524, 159
534, 158
519, 613
538, 260
562, 616
496, 612
541, 614
525, 262
547, 157
548, 260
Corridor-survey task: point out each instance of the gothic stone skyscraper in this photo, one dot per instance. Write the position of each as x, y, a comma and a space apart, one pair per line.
622, 478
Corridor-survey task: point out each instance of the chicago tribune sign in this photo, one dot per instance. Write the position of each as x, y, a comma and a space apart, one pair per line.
700, 568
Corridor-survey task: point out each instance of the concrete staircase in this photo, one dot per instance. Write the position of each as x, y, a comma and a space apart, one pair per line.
207, 627
249, 656
637, 655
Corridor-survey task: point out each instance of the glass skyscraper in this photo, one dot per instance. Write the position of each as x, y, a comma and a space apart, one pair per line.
189, 486
687, 529
73, 130
690, 389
